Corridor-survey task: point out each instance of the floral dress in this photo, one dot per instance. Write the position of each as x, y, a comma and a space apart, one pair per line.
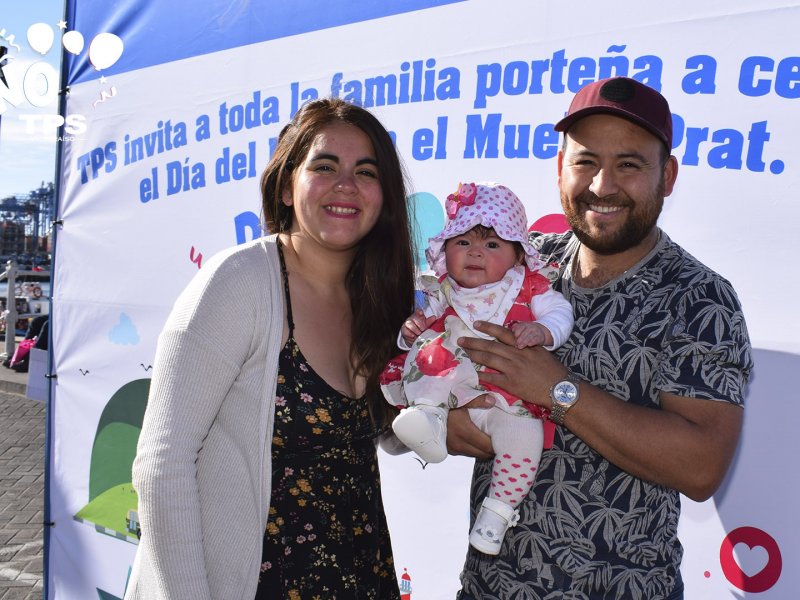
326, 535
436, 371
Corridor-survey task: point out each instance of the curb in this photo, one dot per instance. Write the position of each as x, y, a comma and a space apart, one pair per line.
13, 387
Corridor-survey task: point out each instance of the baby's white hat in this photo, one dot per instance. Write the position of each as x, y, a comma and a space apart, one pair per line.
488, 204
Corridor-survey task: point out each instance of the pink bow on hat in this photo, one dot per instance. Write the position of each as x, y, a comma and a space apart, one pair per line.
464, 196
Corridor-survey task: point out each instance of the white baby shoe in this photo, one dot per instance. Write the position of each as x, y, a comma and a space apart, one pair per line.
423, 429
494, 519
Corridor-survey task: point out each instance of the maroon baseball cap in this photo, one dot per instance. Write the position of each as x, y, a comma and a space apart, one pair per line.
626, 98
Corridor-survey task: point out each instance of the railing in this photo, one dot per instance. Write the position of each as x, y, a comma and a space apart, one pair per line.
12, 315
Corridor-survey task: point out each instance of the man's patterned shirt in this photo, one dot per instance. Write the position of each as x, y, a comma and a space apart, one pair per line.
589, 530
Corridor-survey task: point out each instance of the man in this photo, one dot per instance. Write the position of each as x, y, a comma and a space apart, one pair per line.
647, 393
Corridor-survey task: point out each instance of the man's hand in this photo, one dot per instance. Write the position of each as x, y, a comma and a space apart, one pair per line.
527, 373
463, 437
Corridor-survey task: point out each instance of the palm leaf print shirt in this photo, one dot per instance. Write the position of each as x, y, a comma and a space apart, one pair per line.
589, 530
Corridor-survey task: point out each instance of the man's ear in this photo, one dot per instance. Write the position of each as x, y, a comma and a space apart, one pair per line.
670, 174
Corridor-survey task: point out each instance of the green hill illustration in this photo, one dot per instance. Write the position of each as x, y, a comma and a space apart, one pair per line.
112, 501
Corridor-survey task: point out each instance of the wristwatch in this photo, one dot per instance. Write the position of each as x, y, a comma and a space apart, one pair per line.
564, 395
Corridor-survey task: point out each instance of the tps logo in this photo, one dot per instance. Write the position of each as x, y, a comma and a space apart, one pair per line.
751, 559
37, 82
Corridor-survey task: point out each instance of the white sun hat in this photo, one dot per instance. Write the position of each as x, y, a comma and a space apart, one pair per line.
491, 205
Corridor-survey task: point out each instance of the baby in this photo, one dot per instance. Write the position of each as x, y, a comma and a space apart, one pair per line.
485, 271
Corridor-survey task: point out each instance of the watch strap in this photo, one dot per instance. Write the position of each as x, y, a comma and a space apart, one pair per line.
557, 413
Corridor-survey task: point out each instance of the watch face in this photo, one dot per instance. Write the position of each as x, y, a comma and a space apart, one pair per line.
565, 392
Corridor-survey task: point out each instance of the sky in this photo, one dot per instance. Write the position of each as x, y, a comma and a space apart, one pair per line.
27, 146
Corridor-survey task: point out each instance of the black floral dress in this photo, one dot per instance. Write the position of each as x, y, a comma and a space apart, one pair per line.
326, 535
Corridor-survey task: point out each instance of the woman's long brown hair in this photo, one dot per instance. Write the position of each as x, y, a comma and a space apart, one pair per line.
380, 281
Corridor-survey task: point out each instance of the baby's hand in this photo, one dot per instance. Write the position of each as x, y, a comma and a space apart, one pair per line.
414, 325
531, 333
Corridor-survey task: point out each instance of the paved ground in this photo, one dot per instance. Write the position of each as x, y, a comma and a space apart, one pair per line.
21, 489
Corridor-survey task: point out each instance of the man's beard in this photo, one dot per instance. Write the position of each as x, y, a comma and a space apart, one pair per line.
633, 231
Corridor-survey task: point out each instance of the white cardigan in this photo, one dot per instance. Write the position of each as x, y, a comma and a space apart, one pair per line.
203, 463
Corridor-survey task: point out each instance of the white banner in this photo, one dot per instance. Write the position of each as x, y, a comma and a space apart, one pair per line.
160, 170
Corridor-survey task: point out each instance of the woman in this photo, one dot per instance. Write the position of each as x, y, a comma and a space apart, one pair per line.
265, 393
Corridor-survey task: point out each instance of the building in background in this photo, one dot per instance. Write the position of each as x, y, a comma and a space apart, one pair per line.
25, 227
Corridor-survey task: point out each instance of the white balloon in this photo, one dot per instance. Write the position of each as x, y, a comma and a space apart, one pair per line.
73, 42
105, 50
40, 37
40, 84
